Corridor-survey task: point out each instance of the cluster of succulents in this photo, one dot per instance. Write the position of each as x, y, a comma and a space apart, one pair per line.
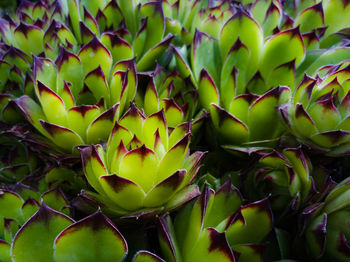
174, 130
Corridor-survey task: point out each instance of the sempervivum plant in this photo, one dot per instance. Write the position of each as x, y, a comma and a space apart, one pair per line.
319, 113
216, 228
175, 95
15, 80
326, 225
17, 207
184, 17
124, 27
52, 236
144, 167
17, 160
65, 90
285, 176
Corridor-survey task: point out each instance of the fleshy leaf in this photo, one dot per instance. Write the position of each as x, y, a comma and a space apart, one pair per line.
173, 159
204, 54
123, 192
244, 27
140, 165
146, 256
152, 55
44, 70
264, 113
211, 246
34, 241
93, 238
316, 235
280, 49
230, 128
163, 191
61, 136
52, 105
95, 54
310, 18
207, 90
119, 48
227, 200
56, 199
11, 205
80, 117
5, 251
29, 38
257, 223
101, 127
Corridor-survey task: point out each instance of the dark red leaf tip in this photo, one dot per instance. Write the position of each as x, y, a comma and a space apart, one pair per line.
83, 109
219, 242
64, 56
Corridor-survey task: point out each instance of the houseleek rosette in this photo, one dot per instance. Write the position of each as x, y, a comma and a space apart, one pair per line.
15, 81
286, 176
238, 127
124, 27
183, 18
144, 166
327, 230
79, 97
17, 160
17, 207
216, 227
240, 61
52, 236
175, 95
319, 113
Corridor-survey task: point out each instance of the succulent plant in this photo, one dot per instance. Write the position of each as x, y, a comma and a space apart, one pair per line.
325, 225
175, 95
144, 166
286, 176
53, 236
216, 227
70, 124
184, 17
102, 109
319, 112
17, 160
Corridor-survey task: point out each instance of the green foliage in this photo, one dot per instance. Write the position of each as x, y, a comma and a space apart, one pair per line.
108, 107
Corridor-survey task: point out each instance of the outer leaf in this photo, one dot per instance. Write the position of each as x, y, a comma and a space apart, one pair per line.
101, 127
93, 238
145, 256
207, 90
119, 48
211, 246
29, 38
155, 23
257, 222
204, 54
94, 54
10, 205
5, 251
244, 27
63, 137
227, 200
139, 166
150, 57
280, 49
124, 192
230, 128
34, 241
